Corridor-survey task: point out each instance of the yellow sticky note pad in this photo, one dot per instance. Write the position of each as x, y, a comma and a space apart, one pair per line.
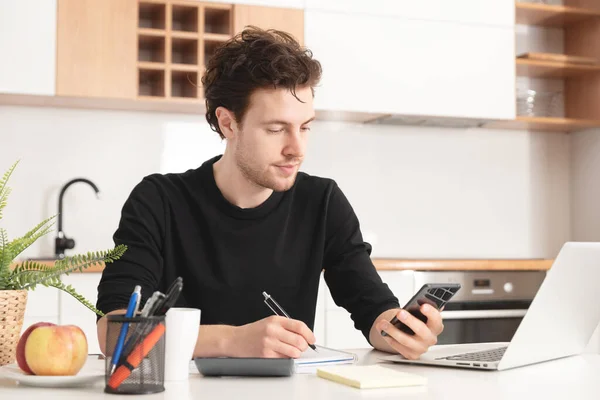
370, 376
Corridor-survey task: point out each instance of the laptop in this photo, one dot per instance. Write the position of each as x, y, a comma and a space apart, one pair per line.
559, 322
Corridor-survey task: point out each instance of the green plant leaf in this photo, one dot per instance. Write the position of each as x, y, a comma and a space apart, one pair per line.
5, 190
5, 259
30, 273
69, 289
17, 246
23, 273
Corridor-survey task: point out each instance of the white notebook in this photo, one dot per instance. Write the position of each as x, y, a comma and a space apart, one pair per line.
310, 360
370, 376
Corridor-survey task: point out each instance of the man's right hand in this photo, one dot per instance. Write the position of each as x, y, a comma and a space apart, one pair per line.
272, 337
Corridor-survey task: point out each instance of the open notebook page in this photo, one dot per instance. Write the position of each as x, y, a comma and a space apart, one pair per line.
310, 359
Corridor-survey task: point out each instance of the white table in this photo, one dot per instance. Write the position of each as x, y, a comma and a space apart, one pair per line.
574, 378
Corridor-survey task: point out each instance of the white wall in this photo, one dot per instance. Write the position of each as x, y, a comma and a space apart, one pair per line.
113, 149
451, 193
585, 185
419, 192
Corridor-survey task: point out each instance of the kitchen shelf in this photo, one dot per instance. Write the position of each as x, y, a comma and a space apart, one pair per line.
151, 83
545, 124
184, 84
151, 32
216, 37
217, 19
151, 65
175, 38
151, 48
550, 15
151, 15
184, 51
184, 35
184, 18
184, 67
553, 69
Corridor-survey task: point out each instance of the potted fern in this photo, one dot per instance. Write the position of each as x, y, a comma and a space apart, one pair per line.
16, 278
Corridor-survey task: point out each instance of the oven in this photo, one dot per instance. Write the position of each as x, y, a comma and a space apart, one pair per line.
489, 306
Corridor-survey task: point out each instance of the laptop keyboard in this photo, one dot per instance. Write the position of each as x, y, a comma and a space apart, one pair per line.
487, 355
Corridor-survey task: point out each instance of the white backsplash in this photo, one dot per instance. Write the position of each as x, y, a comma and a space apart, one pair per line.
419, 192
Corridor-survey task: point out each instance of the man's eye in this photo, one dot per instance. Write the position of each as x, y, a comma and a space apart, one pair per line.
306, 128
275, 130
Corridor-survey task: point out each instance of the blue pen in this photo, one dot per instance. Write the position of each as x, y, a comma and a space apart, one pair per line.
134, 302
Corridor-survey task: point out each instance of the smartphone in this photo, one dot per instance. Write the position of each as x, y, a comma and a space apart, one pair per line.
434, 294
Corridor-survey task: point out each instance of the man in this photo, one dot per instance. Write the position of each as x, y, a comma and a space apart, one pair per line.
248, 221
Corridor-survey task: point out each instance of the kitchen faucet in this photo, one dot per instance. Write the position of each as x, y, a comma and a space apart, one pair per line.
62, 242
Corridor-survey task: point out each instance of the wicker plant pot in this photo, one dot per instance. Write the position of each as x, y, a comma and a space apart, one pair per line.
12, 310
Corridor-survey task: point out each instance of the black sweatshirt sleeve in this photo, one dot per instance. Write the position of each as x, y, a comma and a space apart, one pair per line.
349, 272
142, 229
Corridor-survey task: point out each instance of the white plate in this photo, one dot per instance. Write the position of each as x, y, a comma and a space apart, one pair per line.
92, 372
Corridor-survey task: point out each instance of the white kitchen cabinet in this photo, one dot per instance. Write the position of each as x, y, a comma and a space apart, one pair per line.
400, 66
488, 12
42, 302
72, 312
28, 47
339, 327
42, 306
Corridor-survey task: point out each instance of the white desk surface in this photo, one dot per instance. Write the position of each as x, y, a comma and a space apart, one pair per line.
573, 378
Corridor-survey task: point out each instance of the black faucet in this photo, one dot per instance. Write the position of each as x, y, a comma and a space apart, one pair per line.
62, 243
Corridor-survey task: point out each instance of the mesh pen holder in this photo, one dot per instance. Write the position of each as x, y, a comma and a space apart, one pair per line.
141, 366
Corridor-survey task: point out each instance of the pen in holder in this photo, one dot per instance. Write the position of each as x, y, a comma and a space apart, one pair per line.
141, 366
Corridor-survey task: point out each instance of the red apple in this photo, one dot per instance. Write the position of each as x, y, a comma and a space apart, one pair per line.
21, 346
56, 350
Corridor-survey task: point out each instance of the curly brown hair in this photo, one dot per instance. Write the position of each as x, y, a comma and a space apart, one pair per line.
255, 58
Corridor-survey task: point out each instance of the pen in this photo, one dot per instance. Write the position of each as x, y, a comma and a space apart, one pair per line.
134, 302
151, 303
278, 310
170, 298
160, 307
142, 328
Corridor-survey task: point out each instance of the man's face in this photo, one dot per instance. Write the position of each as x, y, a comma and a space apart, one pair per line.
270, 142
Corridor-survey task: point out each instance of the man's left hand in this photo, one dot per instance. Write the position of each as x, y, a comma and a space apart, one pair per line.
410, 346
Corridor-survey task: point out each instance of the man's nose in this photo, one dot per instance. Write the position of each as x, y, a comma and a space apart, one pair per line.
295, 145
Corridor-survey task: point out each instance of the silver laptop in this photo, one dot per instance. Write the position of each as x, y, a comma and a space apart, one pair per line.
559, 322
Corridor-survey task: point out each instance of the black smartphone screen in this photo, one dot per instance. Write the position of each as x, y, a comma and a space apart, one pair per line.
434, 294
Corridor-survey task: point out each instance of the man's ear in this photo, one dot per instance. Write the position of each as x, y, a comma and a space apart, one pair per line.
227, 122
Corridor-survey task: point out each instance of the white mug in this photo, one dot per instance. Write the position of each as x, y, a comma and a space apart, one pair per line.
182, 332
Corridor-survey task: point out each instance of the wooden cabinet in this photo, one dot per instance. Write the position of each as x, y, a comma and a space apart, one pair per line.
580, 22
28, 47
150, 50
268, 3
401, 66
96, 48
285, 19
174, 41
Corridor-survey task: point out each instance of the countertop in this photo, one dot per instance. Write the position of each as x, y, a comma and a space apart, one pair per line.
568, 378
391, 264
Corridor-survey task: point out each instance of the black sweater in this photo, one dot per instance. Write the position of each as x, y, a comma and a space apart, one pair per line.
181, 225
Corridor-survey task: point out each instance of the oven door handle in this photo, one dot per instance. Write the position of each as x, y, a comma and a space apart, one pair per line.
483, 314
